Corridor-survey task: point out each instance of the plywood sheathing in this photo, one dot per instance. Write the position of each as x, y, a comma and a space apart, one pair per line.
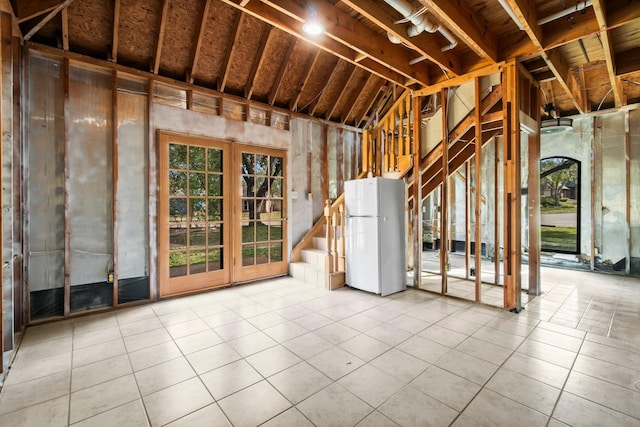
179, 37
353, 85
631, 84
91, 27
362, 103
244, 54
323, 67
219, 32
334, 88
302, 55
274, 56
136, 48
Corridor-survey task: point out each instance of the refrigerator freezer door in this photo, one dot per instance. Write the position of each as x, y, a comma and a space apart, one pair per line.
361, 197
363, 263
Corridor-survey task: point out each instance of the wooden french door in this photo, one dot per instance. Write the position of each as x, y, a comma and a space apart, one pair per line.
194, 213
221, 213
260, 228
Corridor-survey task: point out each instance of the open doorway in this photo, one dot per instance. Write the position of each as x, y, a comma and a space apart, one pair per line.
560, 205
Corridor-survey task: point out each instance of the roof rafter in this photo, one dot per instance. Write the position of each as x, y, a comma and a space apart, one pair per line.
350, 32
294, 27
527, 15
116, 26
65, 28
163, 24
599, 8
353, 101
302, 83
259, 58
466, 25
368, 105
32, 9
198, 44
273, 94
46, 19
341, 94
228, 53
374, 11
327, 80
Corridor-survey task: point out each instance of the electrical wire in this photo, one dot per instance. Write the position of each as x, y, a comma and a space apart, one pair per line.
605, 97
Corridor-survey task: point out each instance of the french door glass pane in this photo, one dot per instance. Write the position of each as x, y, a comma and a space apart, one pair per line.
215, 259
215, 160
177, 263
196, 158
177, 156
248, 255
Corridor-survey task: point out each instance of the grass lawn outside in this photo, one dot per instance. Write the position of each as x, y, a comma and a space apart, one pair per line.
558, 238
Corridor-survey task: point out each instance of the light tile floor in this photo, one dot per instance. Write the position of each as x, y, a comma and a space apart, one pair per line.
281, 353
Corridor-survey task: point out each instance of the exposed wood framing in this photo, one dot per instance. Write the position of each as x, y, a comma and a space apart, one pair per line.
302, 84
67, 191
46, 19
198, 44
425, 46
65, 28
356, 35
599, 8
277, 84
324, 156
416, 128
153, 199
353, 101
258, 60
467, 218
458, 81
114, 177
293, 26
340, 162
527, 15
477, 191
512, 190
627, 156
341, 94
228, 53
466, 25
444, 196
369, 104
116, 26
325, 84
160, 40
26, 11
627, 61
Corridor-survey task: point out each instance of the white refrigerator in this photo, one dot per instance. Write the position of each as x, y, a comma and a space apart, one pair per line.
375, 235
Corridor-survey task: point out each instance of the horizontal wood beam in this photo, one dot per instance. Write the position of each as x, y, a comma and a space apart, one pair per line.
609, 54
350, 32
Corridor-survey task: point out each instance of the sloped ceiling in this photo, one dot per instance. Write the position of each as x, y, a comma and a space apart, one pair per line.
585, 54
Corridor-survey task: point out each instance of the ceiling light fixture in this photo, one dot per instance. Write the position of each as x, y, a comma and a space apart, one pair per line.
561, 124
554, 124
312, 26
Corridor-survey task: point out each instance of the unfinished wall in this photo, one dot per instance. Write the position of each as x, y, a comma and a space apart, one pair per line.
634, 202
576, 144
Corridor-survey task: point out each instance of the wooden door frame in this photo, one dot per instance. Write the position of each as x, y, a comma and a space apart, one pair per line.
240, 273
212, 280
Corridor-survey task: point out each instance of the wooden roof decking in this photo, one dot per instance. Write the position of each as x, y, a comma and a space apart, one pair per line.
586, 60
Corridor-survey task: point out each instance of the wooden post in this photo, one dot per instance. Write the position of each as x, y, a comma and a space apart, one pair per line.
334, 240
341, 263
467, 218
444, 196
478, 193
512, 191
417, 192
365, 150
67, 188
328, 258
627, 155
114, 175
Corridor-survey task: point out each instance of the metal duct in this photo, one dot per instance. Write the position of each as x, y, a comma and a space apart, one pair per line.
421, 23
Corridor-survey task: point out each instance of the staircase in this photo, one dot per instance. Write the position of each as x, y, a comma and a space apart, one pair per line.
311, 267
319, 258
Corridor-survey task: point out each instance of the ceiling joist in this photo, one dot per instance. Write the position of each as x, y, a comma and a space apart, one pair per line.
228, 53
258, 60
599, 8
374, 11
527, 15
116, 26
341, 94
467, 26
353, 101
302, 83
46, 19
325, 84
